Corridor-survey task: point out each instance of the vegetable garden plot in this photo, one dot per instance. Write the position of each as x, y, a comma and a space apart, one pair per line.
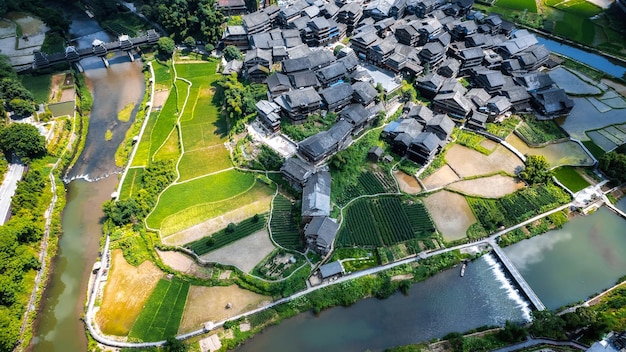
285, 231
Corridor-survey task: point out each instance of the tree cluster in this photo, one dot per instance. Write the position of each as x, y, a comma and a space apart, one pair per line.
18, 247
613, 164
537, 170
22, 140
12, 92
183, 18
154, 180
48, 12
239, 99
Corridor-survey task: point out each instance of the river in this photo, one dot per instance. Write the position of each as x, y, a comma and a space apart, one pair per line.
568, 265
58, 327
441, 304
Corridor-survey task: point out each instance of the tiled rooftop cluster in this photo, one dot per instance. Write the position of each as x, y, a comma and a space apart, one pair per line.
435, 41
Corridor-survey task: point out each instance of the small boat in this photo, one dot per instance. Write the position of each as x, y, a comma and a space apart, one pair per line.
463, 269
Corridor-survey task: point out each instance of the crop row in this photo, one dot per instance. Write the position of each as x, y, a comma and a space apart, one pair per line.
384, 221
157, 320
366, 183
285, 230
226, 236
516, 207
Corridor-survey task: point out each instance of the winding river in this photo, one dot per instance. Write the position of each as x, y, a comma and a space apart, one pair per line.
58, 327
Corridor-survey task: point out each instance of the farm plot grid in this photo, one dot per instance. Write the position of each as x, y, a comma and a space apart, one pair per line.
368, 183
161, 315
516, 207
285, 231
384, 221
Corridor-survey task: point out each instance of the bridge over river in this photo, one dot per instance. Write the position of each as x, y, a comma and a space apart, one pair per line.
98, 49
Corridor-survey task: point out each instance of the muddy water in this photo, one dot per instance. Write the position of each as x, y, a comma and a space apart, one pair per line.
113, 89
59, 327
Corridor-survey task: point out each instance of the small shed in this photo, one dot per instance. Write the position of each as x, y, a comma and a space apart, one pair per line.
375, 153
331, 269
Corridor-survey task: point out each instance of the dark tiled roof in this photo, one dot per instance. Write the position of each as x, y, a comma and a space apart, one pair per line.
427, 140
331, 269
324, 228
276, 80
364, 92
304, 79
337, 93
355, 113
297, 169
303, 97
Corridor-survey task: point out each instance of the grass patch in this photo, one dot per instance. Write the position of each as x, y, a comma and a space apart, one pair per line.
132, 183
162, 74
472, 141
505, 128
164, 124
210, 189
39, 85
312, 125
108, 135
124, 114
161, 315
571, 179
540, 131
227, 236
594, 149
53, 43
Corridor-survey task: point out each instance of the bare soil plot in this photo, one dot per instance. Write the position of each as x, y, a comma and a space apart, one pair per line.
183, 263
159, 99
566, 153
125, 294
441, 177
196, 232
468, 162
245, 253
451, 214
210, 344
209, 304
407, 183
495, 186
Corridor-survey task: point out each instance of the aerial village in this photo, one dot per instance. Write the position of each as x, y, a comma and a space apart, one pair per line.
472, 68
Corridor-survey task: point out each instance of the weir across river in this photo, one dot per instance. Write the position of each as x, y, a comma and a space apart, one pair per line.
517, 277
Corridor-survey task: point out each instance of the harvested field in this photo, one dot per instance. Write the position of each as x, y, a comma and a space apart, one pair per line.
125, 294
496, 186
209, 304
451, 214
245, 253
407, 183
160, 97
441, 177
183, 263
259, 206
566, 153
467, 162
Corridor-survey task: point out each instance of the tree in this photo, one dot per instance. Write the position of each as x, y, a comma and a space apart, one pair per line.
613, 164
547, 324
231, 228
11, 88
172, 344
20, 107
232, 53
190, 42
537, 170
166, 46
22, 140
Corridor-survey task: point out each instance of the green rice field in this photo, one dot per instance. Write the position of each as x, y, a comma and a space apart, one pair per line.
132, 182
205, 190
571, 179
521, 5
162, 313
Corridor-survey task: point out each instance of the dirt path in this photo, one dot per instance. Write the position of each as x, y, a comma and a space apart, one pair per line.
125, 293
451, 214
496, 186
209, 304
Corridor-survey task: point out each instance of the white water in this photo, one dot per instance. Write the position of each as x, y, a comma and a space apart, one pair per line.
512, 292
